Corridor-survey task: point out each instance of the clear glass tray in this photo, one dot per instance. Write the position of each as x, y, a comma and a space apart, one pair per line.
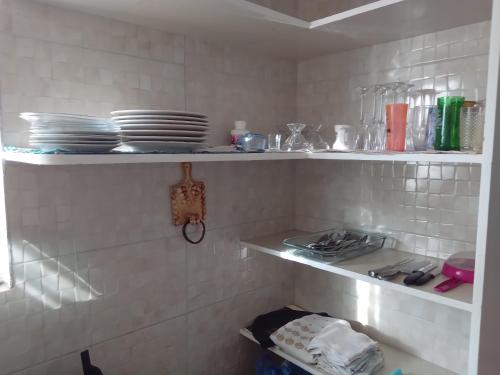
335, 245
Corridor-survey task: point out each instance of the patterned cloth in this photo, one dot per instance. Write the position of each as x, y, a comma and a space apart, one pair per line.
294, 337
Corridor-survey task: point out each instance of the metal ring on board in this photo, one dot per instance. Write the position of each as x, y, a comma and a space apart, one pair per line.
190, 240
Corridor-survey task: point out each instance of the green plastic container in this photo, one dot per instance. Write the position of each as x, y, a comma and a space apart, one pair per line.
448, 123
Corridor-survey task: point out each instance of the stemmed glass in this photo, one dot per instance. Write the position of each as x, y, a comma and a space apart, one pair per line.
296, 141
364, 137
381, 140
376, 127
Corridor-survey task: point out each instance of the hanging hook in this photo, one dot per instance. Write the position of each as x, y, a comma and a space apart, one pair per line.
203, 231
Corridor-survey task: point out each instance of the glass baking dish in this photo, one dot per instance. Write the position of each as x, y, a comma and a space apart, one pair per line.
335, 245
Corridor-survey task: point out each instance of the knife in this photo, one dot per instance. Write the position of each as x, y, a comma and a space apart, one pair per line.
427, 277
418, 274
406, 268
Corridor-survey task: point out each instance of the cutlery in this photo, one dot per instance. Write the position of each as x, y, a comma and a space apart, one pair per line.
415, 276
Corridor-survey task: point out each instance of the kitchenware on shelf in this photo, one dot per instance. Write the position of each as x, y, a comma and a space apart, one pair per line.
417, 99
61, 132
376, 126
273, 142
252, 142
472, 128
414, 277
364, 134
407, 268
396, 110
144, 130
427, 277
344, 138
376, 271
156, 112
316, 141
459, 268
421, 121
448, 123
334, 246
296, 141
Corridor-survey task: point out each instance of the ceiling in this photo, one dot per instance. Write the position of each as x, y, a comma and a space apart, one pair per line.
263, 30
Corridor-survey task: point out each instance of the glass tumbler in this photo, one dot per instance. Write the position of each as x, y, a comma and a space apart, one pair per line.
471, 128
274, 142
422, 120
396, 126
448, 123
396, 116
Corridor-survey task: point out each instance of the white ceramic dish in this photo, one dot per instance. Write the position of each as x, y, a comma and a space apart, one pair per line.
127, 127
75, 131
86, 137
165, 112
74, 147
147, 146
159, 122
161, 133
71, 141
162, 139
146, 118
63, 118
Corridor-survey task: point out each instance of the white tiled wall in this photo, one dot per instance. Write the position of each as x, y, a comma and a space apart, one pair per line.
96, 260
427, 208
97, 263
52, 59
452, 62
437, 333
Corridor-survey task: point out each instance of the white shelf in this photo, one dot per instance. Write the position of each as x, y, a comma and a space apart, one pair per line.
261, 29
357, 268
393, 357
62, 159
448, 157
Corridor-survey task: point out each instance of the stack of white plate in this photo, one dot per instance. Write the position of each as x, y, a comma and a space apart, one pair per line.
161, 130
71, 133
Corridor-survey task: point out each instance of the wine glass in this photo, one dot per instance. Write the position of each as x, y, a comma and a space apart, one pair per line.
364, 134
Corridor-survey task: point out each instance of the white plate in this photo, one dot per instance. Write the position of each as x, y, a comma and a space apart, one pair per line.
145, 118
75, 136
148, 112
143, 127
62, 117
74, 147
187, 133
158, 122
146, 146
75, 131
162, 139
72, 141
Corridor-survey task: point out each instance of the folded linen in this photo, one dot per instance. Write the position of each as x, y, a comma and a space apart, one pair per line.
367, 365
294, 337
340, 344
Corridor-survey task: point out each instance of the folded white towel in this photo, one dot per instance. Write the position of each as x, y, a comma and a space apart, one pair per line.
295, 337
340, 344
368, 365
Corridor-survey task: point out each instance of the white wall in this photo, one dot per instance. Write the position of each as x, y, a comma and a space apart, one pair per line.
96, 260
427, 208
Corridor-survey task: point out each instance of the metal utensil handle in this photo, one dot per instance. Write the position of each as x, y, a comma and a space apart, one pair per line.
376, 271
